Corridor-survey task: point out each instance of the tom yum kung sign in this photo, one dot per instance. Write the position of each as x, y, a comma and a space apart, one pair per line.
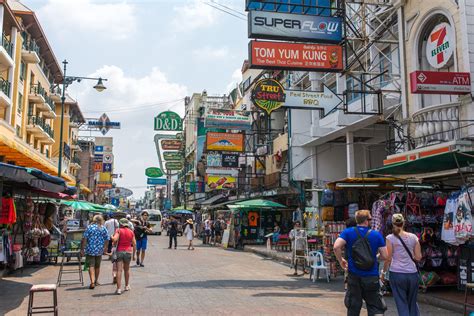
268, 95
295, 56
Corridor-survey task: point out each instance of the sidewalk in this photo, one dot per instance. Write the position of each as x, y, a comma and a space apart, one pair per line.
450, 299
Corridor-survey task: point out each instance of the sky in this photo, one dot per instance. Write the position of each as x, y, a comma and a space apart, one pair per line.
153, 53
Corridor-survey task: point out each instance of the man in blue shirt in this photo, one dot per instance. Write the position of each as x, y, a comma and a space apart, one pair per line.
362, 284
95, 240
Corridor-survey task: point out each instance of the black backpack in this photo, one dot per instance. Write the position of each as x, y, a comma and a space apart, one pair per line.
362, 252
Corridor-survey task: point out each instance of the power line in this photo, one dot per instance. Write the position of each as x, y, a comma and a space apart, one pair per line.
222, 10
141, 107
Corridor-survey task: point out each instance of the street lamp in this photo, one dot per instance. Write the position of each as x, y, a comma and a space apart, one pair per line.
67, 80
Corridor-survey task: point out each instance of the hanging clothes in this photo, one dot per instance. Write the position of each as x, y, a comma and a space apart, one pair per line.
463, 218
8, 212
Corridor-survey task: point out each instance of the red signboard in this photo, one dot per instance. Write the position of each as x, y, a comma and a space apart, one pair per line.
295, 56
440, 82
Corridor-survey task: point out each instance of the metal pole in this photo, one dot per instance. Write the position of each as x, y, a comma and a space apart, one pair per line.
61, 128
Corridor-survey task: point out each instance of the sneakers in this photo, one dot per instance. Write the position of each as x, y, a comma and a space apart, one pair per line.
127, 288
142, 265
118, 292
138, 262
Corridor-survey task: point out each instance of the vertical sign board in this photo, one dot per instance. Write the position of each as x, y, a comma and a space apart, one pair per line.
295, 56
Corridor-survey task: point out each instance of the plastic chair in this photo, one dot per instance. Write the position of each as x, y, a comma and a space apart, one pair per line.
316, 259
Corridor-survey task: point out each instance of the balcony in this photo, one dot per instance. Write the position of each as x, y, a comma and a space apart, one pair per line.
55, 93
5, 87
30, 52
75, 163
75, 146
42, 130
6, 53
436, 124
37, 94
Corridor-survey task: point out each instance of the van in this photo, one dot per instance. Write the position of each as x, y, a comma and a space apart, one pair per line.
155, 221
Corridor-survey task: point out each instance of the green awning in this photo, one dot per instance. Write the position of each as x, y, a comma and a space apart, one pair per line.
84, 206
257, 203
436, 163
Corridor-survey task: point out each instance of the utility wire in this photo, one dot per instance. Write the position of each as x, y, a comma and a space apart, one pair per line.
222, 10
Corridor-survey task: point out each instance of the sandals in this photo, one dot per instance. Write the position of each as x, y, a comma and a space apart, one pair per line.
92, 286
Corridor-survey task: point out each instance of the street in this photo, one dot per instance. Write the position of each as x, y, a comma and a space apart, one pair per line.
207, 281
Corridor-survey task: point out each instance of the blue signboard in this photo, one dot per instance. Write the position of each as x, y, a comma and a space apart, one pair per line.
98, 158
156, 181
115, 202
167, 204
107, 167
99, 149
310, 7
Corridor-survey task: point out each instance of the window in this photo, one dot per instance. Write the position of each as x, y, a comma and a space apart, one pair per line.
18, 131
20, 103
385, 65
22, 71
351, 85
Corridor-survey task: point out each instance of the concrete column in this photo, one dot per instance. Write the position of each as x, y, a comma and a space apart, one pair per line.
2, 14
350, 154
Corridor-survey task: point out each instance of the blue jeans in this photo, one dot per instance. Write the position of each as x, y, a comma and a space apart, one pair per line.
405, 292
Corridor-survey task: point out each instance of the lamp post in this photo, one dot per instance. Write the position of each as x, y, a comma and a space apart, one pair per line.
67, 80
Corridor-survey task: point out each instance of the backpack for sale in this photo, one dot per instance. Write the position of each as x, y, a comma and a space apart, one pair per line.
339, 213
327, 198
327, 213
339, 198
362, 254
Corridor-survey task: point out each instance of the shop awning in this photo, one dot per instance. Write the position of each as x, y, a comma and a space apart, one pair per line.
213, 200
362, 181
84, 206
257, 203
436, 163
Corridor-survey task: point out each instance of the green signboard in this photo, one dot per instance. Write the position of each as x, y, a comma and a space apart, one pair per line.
174, 165
172, 156
168, 121
153, 172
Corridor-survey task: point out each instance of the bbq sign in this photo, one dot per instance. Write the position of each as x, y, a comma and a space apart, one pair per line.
440, 45
268, 95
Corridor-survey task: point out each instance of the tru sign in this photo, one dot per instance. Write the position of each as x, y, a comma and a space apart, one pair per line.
168, 121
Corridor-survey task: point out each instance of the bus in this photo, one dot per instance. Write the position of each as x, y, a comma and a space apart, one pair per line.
155, 219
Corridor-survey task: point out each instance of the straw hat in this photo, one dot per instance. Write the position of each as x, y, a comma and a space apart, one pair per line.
190, 221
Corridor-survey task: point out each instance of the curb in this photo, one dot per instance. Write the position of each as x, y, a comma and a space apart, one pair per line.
422, 298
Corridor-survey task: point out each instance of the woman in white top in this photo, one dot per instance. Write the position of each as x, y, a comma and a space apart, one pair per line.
189, 233
403, 250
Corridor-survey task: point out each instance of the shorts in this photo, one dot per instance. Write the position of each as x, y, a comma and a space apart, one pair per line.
208, 232
109, 247
141, 244
93, 261
218, 233
124, 256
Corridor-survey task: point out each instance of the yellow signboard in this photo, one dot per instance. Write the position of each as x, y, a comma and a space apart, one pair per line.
221, 182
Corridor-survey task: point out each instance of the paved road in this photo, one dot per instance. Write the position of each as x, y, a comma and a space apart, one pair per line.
207, 281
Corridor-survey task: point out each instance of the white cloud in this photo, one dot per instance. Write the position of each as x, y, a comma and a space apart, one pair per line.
209, 53
134, 102
235, 79
193, 15
104, 20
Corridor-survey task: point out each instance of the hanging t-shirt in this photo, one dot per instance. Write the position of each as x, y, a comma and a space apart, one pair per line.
253, 219
8, 212
463, 218
447, 231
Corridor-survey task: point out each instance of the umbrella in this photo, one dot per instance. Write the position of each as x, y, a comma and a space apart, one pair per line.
84, 206
183, 212
110, 207
258, 203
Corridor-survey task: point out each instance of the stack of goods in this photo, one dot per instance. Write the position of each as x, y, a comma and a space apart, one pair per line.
332, 230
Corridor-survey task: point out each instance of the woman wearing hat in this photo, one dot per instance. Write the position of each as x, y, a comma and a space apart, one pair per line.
189, 232
126, 248
404, 251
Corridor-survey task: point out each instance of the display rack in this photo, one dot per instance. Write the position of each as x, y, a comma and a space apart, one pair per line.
332, 230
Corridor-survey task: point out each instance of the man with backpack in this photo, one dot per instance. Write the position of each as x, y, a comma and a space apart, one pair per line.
218, 229
362, 246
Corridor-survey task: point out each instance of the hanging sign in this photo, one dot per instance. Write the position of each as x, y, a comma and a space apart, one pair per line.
153, 172
224, 141
118, 192
295, 56
172, 156
99, 149
440, 45
168, 121
268, 94
156, 181
108, 158
174, 165
326, 100
98, 158
103, 124
227, 119
171, 144
437, 82
230, 160
107, 167
98, 167
294, 27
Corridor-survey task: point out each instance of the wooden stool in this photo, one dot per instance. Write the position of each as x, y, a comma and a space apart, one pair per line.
468, 288
43, 309
68, 255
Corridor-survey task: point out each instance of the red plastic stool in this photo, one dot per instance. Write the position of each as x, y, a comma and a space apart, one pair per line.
43, 309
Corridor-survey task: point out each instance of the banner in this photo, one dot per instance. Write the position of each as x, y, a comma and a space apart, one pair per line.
225, 141
228, 119
215, 182
295, 56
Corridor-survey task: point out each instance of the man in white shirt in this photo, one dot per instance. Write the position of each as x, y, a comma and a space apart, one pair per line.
111, 224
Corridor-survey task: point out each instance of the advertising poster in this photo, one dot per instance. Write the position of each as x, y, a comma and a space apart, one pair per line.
230, 160
216, 182
228, 119
214, 160
171, 144
225, 141
295, 56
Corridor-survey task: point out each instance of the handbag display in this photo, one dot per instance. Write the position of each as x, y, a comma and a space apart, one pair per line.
327, 213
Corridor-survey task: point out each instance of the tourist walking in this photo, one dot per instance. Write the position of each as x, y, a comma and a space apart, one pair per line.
403, 250
218, 229
142, 229
207, 230
298, 240
173, 232
94, 244
126, 248
362, 246
189, 233
111, 224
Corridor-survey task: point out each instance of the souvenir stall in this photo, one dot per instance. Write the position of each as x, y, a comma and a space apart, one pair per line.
438, 210
253, 219
28, 217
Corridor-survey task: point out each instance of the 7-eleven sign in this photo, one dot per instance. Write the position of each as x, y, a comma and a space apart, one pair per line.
440, 45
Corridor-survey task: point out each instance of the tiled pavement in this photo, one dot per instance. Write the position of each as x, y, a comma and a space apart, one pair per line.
207, 281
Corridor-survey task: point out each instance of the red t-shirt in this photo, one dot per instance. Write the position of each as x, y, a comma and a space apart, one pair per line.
125, 240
